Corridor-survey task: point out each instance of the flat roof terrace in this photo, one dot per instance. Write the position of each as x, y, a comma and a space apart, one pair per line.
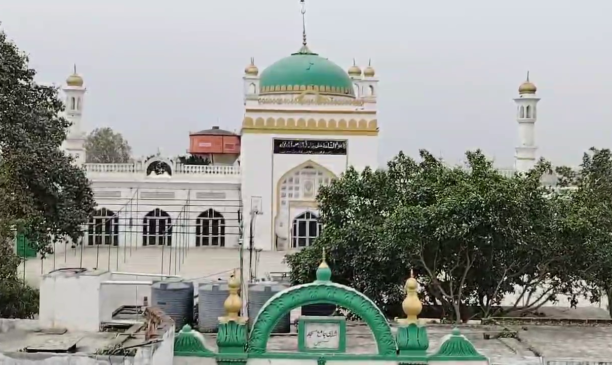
197, 264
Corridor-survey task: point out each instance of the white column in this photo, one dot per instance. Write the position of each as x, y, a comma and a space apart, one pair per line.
525, 155
74, 103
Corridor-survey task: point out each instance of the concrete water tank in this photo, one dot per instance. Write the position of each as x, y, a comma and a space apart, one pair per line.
210, 307
259, 293
175, 298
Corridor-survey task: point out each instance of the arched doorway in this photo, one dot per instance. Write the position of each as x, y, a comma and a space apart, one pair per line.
157, 228
103, 228
210, 229
305, 229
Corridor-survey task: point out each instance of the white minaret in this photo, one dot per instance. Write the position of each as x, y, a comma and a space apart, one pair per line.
74, 92
369, 87
251, 83
357, 77
526, 116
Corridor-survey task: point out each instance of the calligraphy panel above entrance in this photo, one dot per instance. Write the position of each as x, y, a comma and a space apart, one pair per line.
310, 147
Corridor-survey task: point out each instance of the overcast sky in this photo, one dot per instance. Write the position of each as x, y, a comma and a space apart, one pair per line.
448, 69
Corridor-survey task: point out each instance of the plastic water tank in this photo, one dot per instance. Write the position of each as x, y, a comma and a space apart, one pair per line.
175, 298
259, 293
210, 307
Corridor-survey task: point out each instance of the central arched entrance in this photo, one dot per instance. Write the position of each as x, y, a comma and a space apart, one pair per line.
157, 228
103, 228
305, 229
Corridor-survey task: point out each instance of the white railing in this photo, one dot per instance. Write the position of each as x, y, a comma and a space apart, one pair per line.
177, 168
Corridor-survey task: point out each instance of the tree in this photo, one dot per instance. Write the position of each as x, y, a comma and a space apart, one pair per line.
588, 220
471, 234
42, 194
103, 145
194, 160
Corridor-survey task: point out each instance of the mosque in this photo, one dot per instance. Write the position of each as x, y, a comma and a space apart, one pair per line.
306, 120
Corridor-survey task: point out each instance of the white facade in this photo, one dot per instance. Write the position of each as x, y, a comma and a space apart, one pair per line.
294, 139
197, 205
282, 187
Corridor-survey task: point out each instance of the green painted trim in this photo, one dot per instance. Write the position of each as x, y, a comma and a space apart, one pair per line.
187, 343
232, 338
412, 340
338, 357
194, 354
320, 293
340, 321
457, 348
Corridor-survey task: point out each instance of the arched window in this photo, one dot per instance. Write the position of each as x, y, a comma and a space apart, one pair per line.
210, 229
303, 184
522, 112
252, 89
159, 168
78, 104
371, 88
305, 229
157, 228
356, 90
103, 228
73, 103
528, 111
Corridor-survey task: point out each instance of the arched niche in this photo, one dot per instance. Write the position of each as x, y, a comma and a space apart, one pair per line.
158, 166
320, 292
320, 175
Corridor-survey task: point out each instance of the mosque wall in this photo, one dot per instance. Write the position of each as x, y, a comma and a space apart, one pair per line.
263, 173
181, 206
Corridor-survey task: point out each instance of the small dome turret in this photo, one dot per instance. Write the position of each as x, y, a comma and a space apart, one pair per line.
354, 70
527, 87
369, 71
75, 79
251, 69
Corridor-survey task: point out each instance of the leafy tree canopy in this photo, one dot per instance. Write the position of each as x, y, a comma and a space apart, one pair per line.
194, 160
103, 145
471, 235
42, 194
588, 219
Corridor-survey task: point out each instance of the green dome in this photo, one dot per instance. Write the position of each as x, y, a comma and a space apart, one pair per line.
303, 71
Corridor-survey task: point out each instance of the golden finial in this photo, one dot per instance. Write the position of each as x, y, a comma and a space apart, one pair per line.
251, 69
527, 87
233, 303
369, 71
323, 262
323, 272
74, 79
411, 305
354, 70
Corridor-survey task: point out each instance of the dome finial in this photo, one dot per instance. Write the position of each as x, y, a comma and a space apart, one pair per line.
354, 70
75, 79
369, 71
323, 272
251, 69
233, 303
411, 305
304, 49
304, 42
527, 87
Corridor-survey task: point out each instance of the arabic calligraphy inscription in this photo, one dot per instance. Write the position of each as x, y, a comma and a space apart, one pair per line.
322, 336
310, 147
